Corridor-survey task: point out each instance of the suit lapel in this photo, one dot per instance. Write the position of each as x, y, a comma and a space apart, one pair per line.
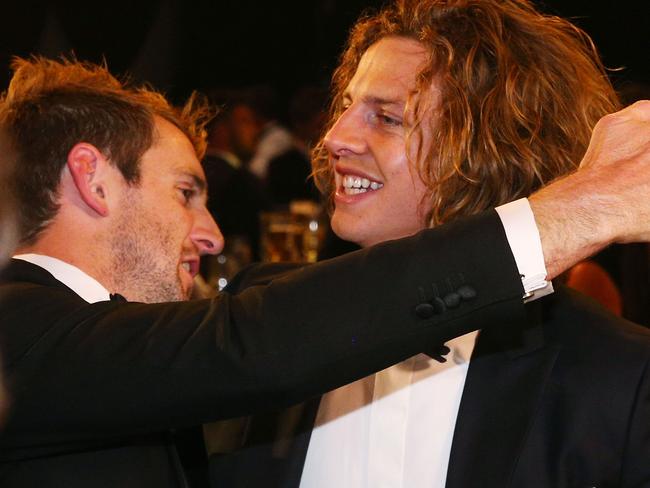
274, 453
299, 443
507, 377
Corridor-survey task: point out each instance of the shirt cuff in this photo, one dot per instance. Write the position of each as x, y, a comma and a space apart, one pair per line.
523, 237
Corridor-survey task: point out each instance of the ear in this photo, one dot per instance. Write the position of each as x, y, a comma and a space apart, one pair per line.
84, 163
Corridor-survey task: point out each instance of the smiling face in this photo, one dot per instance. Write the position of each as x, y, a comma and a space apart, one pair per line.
162, 225
377, 196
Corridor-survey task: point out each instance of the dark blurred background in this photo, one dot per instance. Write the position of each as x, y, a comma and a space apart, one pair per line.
182, 45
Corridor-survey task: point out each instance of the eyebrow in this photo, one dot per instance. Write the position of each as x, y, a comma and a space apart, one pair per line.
383, 101
375, 100
198, 182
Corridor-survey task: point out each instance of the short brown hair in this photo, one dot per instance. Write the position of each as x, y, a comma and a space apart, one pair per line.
52, 105
519, 95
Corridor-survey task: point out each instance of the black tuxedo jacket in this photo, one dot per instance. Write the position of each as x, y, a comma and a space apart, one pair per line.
563, 402
95, 389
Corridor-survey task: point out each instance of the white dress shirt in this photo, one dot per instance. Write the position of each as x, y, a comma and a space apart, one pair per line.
83, 285
392, 429
395, 429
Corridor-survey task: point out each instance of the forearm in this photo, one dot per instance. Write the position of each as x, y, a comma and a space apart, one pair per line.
572, 224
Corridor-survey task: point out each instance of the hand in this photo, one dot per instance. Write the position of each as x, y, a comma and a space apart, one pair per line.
621, 137
607, 200
619, 159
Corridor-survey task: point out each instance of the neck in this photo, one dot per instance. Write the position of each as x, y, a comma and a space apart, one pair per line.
76, 248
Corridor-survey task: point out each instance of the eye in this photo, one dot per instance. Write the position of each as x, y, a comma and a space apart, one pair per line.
383, 120
388, 120
187, 193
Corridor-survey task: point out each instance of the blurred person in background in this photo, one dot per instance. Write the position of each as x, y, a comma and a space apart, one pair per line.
273, 138
287, 177
7, 218
7, 232
235, 196
442, 109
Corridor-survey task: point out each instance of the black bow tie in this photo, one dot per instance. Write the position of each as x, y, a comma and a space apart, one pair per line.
116, 297
438, 353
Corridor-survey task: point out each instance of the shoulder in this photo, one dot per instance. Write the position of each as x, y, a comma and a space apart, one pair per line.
575, 321
259, 274
24, 285
29, 309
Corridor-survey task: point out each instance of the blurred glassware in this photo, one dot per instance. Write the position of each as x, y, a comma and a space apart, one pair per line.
294, 235
218, 270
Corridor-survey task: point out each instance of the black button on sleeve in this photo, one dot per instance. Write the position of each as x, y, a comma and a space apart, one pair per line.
438, 305
424, 310
452, 300
467, 292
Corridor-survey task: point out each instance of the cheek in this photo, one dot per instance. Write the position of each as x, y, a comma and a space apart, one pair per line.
177, 222
407, 199
185, 225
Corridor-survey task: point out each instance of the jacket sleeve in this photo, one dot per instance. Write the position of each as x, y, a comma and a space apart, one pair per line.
112, 367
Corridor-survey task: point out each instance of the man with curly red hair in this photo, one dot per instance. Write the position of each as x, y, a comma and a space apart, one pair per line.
443, 109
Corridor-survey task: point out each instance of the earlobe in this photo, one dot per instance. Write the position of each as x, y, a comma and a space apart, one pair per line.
84, 161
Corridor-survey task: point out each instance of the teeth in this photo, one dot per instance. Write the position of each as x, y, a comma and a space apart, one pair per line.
186, 266
353, 185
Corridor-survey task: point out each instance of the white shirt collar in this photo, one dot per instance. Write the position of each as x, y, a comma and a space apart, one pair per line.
83, 285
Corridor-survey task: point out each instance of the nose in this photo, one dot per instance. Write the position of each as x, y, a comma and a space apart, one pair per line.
206, 235
346, 136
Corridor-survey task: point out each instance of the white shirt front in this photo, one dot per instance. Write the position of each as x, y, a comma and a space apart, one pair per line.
83, 285
395, 429
392, 429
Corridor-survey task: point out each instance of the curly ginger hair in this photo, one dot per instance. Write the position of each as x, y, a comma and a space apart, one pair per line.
520, 92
